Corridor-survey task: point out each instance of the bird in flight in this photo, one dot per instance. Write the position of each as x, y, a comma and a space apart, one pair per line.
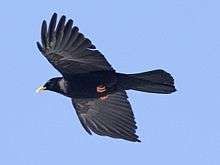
97, 91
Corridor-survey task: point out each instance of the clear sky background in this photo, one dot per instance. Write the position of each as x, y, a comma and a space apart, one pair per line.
179, 36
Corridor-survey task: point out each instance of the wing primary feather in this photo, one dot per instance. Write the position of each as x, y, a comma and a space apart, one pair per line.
120, 121
110, 129
40, 47
114, 130
73, 36
101, 126
59, 31
92, 46
66, 33
123, 118
44, 34
83, 121
97, 126
93, 126
77, 42
52, 27
84, 45
118, 112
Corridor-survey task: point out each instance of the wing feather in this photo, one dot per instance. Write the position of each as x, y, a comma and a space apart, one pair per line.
66, 33
52, 26
44, 34
59, 32
111, 117
68, 50
73, 36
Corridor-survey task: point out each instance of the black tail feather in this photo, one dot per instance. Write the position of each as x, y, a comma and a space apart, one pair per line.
156, 81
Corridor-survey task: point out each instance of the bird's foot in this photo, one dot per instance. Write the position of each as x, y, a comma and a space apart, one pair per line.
100, 88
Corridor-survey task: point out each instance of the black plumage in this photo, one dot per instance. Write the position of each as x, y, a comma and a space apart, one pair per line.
97, 91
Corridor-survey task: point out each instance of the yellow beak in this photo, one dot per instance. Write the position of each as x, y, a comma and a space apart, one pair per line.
40, 89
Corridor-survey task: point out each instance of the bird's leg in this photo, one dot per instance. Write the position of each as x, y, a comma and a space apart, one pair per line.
101, 89
104, 97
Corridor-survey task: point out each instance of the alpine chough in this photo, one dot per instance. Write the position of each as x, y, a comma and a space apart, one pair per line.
97, 91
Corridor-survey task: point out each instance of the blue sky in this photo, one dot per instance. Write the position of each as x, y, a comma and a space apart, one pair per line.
179, 36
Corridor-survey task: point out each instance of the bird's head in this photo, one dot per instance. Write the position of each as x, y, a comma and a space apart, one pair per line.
52, 85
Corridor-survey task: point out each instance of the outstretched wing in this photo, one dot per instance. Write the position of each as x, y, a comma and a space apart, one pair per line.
68, 50
112, 116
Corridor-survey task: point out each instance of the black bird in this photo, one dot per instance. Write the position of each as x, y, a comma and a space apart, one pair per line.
97, 91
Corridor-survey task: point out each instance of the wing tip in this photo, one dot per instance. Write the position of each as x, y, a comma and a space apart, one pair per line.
39, 46
54, 15
53, 19
63, 17
44, 24
133, 139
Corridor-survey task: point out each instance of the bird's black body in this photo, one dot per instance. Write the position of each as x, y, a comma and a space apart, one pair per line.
84, 85
97, 91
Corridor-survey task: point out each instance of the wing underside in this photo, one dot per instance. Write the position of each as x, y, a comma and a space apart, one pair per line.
110, 117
